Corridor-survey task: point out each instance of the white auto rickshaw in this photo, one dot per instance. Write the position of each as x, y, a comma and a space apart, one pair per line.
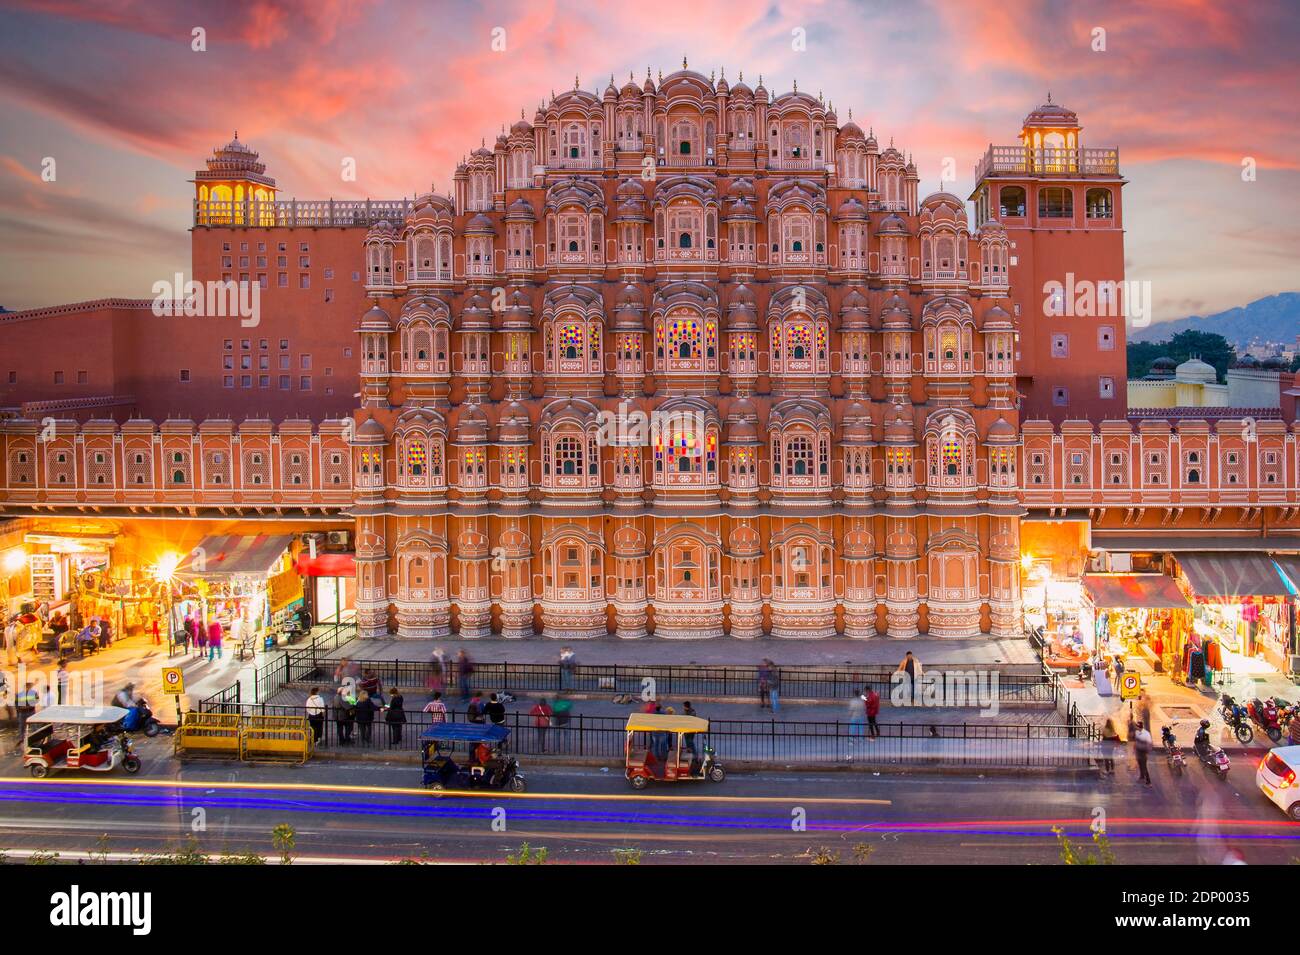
78, 737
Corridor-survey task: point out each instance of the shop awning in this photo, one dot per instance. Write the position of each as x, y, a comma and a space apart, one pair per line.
225, 555
1289, 564
326, 565
1232, 575
1119, 591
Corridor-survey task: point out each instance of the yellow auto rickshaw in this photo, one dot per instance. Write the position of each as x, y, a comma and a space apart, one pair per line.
668, 748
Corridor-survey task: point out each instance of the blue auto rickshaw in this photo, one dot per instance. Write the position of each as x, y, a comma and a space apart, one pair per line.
482, 763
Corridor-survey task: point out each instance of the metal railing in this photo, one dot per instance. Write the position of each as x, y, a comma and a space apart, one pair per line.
223, 701
603, 737
679, 681
301, 663
1049, 160
295, 213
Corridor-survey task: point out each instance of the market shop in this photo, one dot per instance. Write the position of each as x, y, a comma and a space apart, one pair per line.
1243, 611
1137, 616
248, 584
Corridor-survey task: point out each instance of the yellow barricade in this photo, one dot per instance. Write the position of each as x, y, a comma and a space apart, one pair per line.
284, 738
208, 734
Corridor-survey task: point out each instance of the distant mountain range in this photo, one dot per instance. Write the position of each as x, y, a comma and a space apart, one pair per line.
1272, 319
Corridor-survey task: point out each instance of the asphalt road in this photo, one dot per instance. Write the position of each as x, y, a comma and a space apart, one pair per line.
376, 812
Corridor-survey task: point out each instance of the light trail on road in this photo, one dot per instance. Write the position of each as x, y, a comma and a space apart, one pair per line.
317, 799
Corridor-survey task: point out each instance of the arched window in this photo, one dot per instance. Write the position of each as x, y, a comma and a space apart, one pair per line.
1011, 201
1098, 204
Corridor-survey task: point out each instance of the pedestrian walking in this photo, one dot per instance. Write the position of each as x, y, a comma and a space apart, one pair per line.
200, 641
372, 686
911, 668
345, 714
61, 680
435, 681
437, 709
774, 688
858, 714
764, 684
541, 714
155, 628
215, 636
689, 738
105, 634
345, 669
366, 710
315, 707
474, 708
464, 671
568, 667
25, 705
11, 641
495, 711
1142, 750
871, 701
395, 717
1109, 743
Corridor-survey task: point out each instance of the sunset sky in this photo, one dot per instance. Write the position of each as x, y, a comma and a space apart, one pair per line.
112, 91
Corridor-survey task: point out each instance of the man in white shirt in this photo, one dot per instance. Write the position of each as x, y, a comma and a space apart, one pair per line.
1142, 749
315, 707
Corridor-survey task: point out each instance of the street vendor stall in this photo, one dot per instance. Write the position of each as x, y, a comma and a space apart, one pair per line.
1138, 615
241, 582
1242, 613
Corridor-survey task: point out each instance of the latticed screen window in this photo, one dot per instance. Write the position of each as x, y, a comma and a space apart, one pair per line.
568, 456
948, 343
571, 340
950, 454
417, 458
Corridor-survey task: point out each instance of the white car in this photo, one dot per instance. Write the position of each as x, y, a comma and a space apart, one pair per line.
1276, 776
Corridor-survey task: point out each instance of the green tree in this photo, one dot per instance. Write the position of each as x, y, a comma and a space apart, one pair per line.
1209, 347
284, 839
527, 856
1072, 855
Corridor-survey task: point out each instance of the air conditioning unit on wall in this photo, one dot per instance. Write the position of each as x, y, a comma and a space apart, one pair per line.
337, 538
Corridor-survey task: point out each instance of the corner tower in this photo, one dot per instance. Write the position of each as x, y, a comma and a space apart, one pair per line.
1059, 203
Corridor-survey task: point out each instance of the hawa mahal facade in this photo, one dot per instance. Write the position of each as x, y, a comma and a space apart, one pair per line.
680, 358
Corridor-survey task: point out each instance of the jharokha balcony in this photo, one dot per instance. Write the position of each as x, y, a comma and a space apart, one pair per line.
1045, 161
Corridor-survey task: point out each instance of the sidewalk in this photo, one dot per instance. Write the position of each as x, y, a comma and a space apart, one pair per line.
135, 659
724, 651
1182, 707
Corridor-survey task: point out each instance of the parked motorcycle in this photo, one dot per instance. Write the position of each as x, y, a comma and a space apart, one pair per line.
1209, 754
1236, 717
1173, 752
1264, 714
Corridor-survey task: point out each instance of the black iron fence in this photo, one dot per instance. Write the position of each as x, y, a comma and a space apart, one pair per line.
995, 745
223, 701
966, 687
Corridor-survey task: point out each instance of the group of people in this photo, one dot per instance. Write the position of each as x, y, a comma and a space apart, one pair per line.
204, 637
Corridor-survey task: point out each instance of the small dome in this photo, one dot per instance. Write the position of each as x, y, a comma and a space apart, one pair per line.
520, 209
851, 208
376, 319
1002, 430
899, 431
892, 224
371, 428
480, 225
1195, 370
851, 132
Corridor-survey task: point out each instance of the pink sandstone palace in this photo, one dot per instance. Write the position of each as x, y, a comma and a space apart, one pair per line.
680, 358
